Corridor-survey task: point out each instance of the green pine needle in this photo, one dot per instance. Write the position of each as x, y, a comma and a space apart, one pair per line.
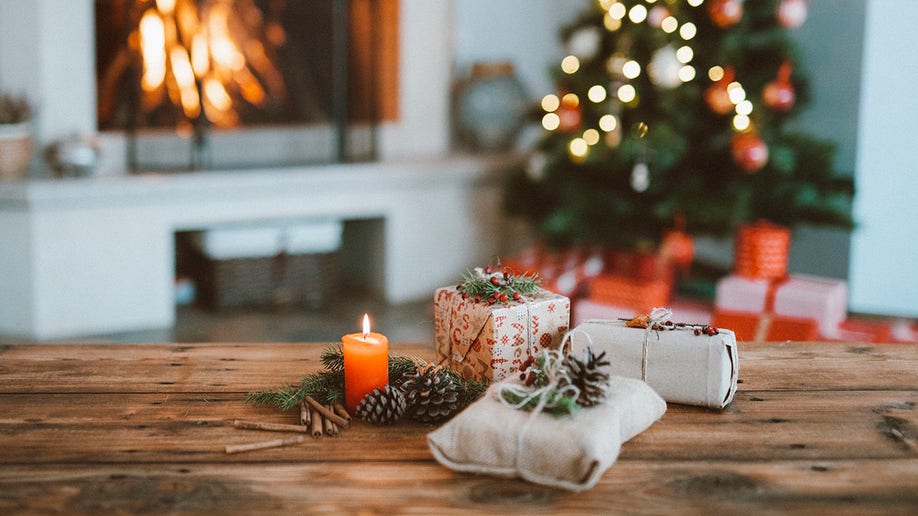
328, 385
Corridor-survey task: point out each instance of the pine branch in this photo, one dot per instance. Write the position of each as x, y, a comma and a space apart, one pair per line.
333, 358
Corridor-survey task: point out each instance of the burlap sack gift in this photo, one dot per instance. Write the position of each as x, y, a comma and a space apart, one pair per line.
569, 452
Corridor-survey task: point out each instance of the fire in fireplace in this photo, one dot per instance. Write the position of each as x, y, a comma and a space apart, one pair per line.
196, 69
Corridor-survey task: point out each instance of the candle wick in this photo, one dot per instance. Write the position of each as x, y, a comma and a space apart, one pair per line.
366, 334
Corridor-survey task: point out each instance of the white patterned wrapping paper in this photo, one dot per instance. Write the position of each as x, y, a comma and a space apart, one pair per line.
491, 342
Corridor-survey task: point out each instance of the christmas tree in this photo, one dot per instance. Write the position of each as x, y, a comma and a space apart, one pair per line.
676, 113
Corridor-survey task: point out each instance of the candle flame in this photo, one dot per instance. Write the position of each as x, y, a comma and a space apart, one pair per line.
366, 325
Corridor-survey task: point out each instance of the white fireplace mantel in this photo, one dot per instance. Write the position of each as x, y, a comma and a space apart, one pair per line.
96, 255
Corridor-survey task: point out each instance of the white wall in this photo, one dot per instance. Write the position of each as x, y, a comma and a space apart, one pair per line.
883, 276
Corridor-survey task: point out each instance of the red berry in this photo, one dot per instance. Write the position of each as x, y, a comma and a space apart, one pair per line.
477, 299
504, 298
494, 280
490, 300
488, 270
465, 295
506, 275
697, 331
516, 296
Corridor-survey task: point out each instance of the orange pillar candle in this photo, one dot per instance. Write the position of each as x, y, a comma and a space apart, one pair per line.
366, 364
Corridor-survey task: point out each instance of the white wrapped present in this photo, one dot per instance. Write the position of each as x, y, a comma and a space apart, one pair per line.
681, 364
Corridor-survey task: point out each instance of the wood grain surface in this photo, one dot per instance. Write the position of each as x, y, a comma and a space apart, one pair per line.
815, 427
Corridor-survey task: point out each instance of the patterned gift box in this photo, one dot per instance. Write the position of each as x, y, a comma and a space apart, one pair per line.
762, 251
490, 342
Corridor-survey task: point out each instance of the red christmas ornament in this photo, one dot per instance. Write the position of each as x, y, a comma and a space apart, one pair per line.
791, 13
717, 97
571, 118
725, 13
779, 94
749, 152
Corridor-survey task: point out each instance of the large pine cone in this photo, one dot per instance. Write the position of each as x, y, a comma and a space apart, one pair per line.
383, 406
431, 394
589, 374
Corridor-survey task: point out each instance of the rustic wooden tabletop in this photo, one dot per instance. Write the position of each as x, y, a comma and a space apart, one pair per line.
815, 427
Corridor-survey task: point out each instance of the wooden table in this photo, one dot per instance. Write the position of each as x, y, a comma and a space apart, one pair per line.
824, 427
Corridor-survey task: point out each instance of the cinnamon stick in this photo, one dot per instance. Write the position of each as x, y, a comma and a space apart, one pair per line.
331, 429
305, 415
341, 411
286, 441
272, 427
316, 425
338, 420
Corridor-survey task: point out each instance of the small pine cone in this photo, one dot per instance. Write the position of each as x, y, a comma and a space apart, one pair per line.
431, 394
383, 406
590, 375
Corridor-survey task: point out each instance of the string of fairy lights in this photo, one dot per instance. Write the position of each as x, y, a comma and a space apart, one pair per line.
670, 67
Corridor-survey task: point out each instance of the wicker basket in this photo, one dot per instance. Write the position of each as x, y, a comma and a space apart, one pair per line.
15, 150
283, 280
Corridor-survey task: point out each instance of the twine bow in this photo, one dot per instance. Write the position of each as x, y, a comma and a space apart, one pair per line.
656, 317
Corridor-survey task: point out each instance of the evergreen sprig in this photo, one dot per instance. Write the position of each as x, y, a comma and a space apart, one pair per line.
497, 286
328, 385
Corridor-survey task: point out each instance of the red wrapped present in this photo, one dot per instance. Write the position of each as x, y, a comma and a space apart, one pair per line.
765, 326
762, 251
564, 272
821, 299
638, 295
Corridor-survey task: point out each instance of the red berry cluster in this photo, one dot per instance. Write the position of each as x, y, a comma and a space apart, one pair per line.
496, 288
528, 377
697, 329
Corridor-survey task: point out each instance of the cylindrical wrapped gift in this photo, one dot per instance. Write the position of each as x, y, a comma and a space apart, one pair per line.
762, 251
679, 365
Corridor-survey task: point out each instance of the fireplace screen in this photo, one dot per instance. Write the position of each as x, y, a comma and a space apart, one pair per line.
215, 83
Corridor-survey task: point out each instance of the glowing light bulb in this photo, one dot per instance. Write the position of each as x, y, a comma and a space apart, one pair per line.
550, 102
669, 24
685, 54
741, 122
686, 73
611, 24
605, 4
626, 93
596, 93
591, 136
631, 69
570, 100
608, 123
638, 13
551, 121
688, 31
715, 73
736, 93
744, 108
570, 64
695, 3
578, 147
617, 10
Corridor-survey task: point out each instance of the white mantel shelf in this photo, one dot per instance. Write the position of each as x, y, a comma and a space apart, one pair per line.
96, 255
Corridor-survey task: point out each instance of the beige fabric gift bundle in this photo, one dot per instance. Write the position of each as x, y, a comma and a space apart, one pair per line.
679, 365
569, 452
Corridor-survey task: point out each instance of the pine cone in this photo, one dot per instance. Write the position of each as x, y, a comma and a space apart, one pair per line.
431, 394
383, 406
590, 375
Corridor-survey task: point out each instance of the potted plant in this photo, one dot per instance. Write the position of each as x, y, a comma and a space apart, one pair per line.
15, 136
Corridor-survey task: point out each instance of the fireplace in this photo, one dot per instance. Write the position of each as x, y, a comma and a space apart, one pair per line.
197, 84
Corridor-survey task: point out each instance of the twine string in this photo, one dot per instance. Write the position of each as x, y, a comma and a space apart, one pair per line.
657, 316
